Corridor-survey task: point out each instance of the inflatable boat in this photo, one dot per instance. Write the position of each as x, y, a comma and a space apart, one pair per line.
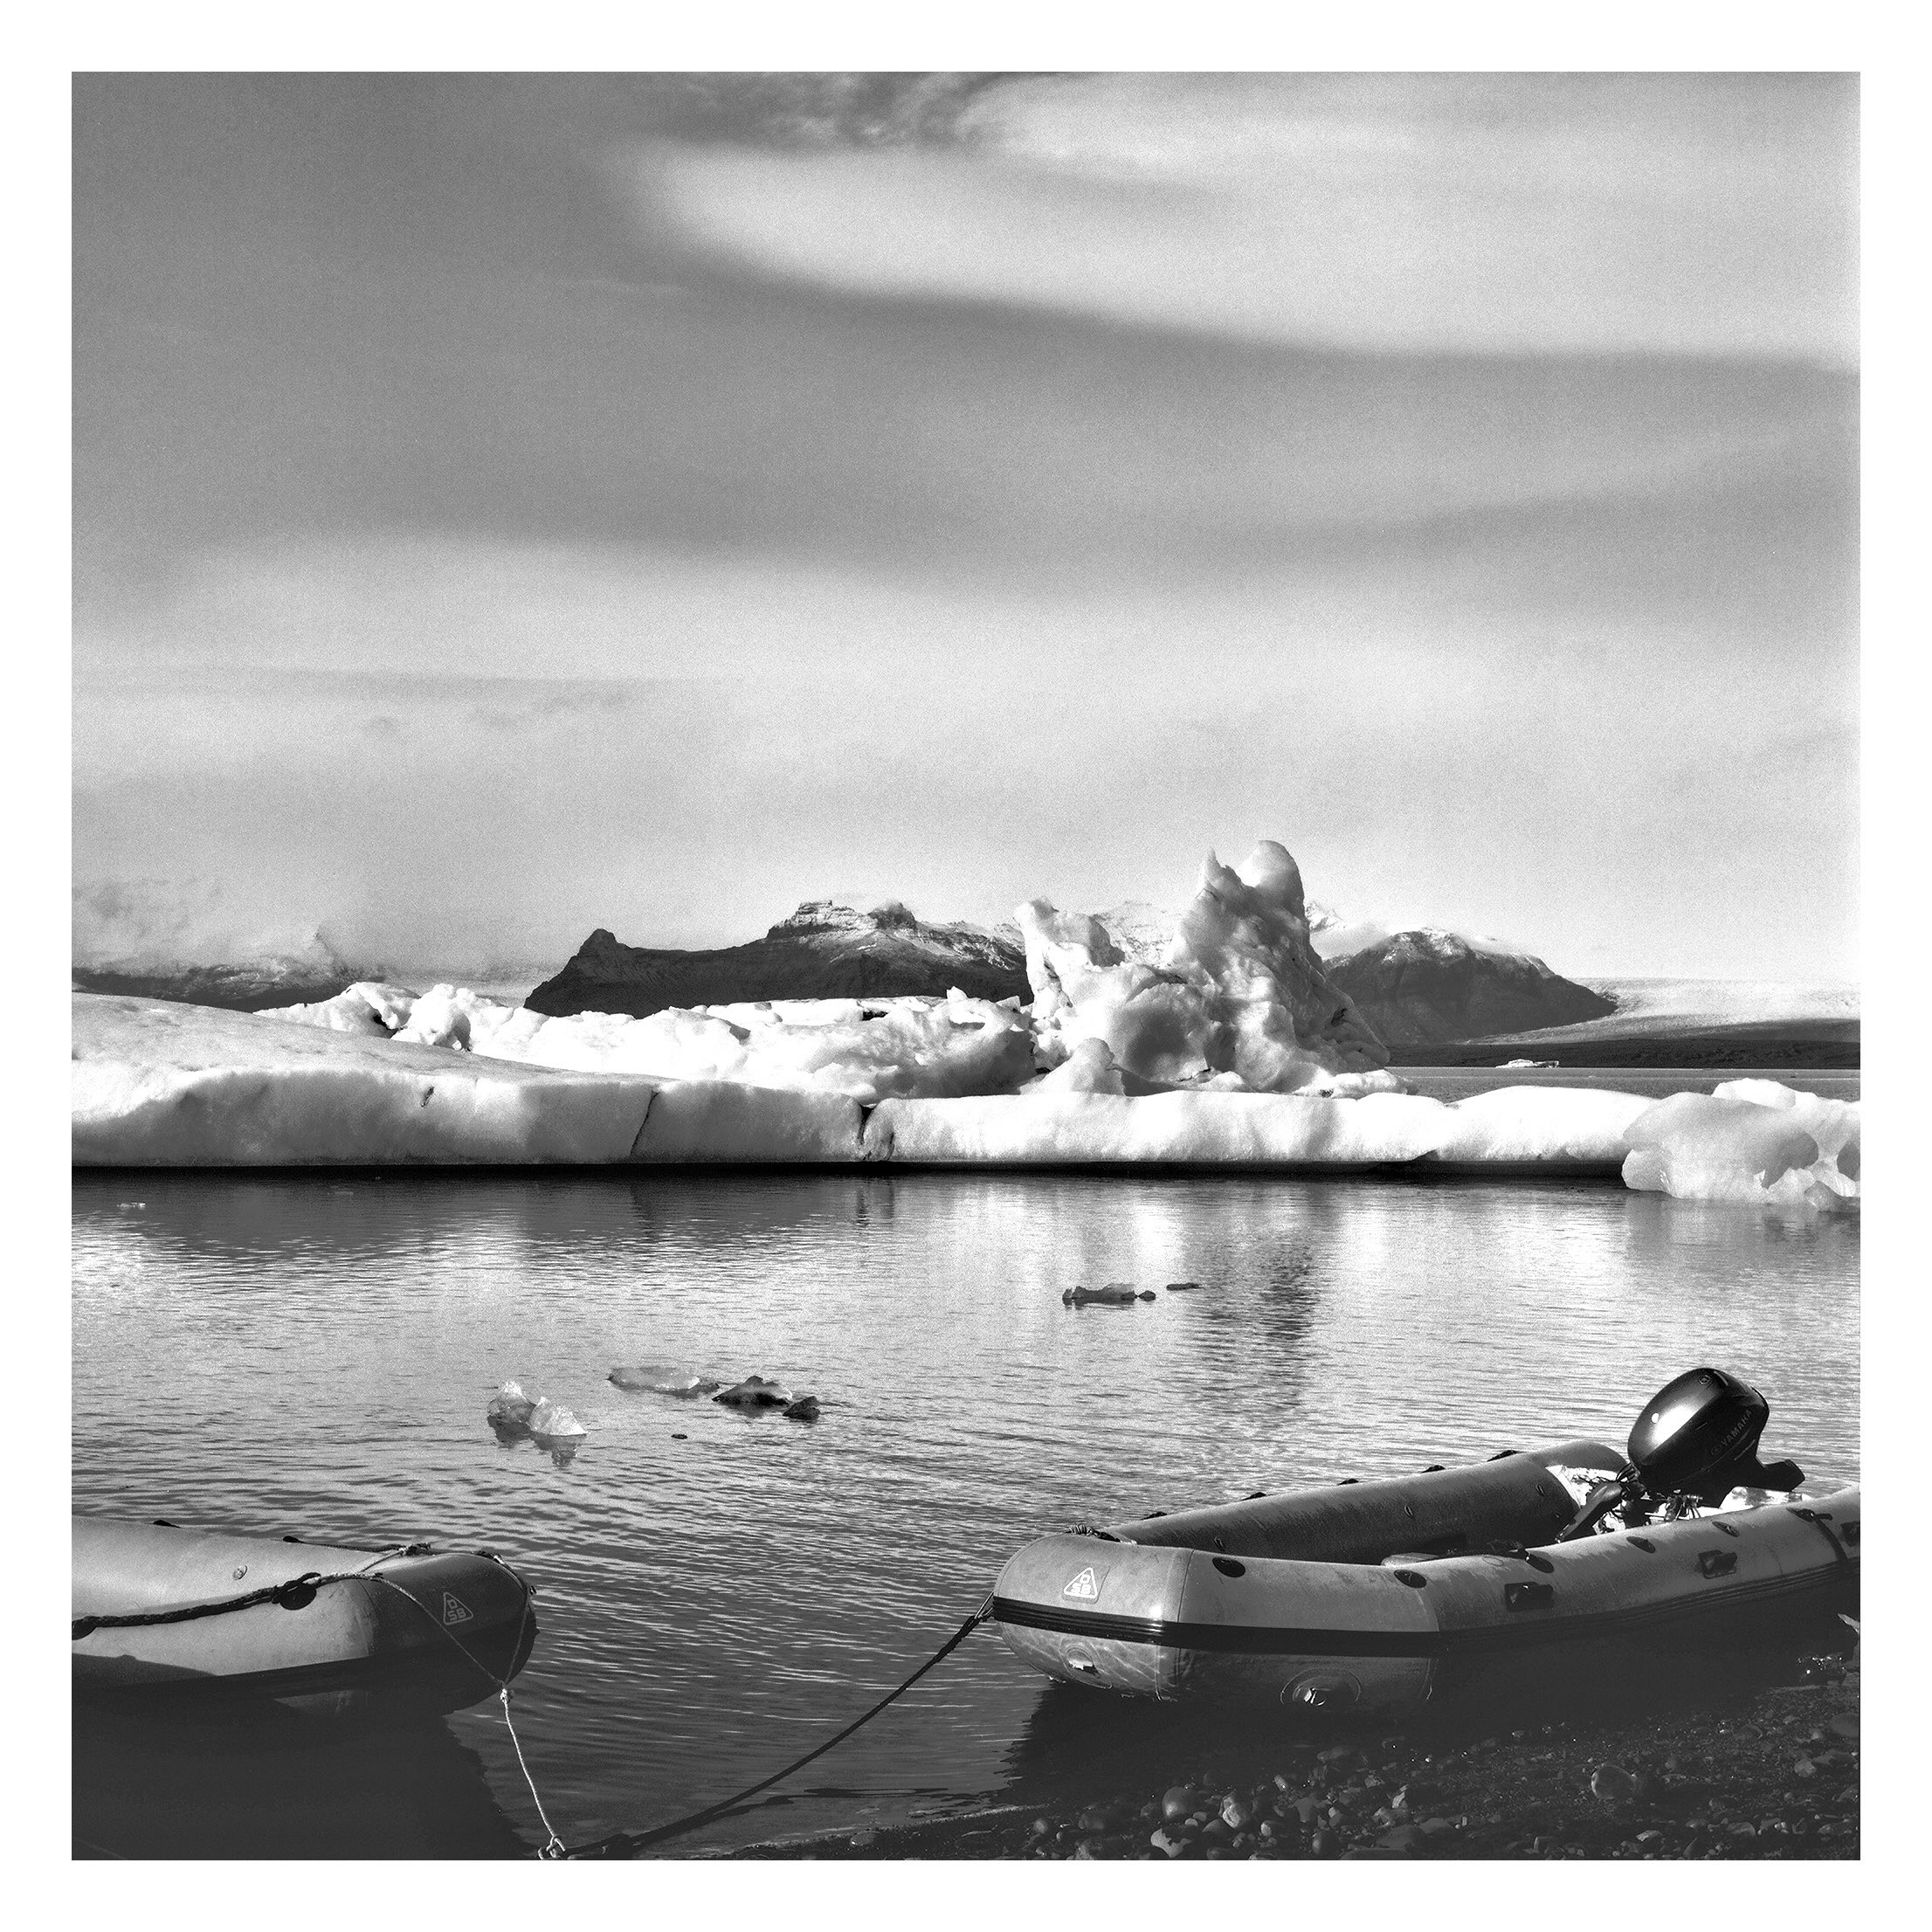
167, 1613
1381, 1596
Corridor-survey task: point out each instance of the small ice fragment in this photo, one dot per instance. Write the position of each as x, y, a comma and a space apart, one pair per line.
510, 1408
551, 1421
648, 1379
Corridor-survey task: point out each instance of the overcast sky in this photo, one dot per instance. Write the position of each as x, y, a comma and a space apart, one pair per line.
506, 507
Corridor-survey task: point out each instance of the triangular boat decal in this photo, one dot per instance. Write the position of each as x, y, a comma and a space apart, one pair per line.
455, 1611
1085, 1586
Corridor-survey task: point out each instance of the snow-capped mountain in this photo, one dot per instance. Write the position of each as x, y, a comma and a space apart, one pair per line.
822, 951
1428, 986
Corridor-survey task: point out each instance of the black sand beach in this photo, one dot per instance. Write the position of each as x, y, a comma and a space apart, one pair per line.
1764, 1772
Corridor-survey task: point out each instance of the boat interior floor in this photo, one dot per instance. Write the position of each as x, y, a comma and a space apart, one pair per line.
1515, 1500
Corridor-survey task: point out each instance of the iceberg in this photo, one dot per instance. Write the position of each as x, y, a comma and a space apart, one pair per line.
1238, 999
1752, 1140
156, 1085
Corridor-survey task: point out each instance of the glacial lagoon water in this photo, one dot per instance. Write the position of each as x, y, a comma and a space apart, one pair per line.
314, 1353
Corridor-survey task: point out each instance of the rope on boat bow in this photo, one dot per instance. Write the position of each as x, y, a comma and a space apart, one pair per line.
552, 1845
629, 1844
297, 1593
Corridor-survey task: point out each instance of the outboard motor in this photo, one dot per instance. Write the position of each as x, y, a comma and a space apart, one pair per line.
1694, 1443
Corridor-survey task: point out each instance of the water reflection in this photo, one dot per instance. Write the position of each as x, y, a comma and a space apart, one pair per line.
716, 1587
274, 1785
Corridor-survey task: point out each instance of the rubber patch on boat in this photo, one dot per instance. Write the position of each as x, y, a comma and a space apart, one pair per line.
455, 1611
1087, 1586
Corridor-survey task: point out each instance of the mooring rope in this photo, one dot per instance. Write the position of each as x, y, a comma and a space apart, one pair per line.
552, 1845
629, 1844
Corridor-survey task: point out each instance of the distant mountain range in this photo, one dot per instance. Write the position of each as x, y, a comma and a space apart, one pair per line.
822, 951
242, 986
1428, 987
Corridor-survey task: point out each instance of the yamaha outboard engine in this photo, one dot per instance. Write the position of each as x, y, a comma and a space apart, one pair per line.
1695, 1442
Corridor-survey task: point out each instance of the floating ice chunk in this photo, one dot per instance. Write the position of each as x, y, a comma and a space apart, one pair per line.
552, 1422
1734, 1146
510, 1408
650, 1378
513, 1414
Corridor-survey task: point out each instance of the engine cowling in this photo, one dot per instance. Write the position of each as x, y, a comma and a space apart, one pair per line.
1699, 1435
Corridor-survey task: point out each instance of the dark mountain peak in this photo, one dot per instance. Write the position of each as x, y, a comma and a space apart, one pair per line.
1427, 987
822, 950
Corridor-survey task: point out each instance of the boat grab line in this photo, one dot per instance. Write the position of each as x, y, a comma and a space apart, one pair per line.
294, 1593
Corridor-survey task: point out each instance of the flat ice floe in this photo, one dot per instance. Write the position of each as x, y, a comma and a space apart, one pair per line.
160, 1084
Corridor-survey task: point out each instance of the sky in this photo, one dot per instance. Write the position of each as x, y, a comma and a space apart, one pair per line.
507, 506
